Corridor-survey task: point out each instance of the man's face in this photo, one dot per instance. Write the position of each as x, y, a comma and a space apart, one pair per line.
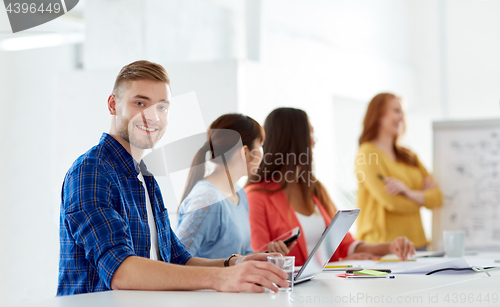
141, 112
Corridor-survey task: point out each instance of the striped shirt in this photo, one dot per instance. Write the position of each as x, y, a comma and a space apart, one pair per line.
104, 219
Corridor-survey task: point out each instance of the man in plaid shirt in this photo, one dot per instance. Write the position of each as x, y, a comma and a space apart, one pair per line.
114, 228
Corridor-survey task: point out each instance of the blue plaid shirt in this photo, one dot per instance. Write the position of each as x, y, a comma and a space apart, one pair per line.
104, 219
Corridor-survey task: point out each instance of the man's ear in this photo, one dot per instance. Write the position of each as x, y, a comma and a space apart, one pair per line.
112, 104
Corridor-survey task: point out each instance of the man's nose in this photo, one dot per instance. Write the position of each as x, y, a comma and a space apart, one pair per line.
150, 115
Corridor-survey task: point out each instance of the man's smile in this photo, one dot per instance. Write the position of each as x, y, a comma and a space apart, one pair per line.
146, 128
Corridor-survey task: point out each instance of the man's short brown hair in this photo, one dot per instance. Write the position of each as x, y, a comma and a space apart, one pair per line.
140, 70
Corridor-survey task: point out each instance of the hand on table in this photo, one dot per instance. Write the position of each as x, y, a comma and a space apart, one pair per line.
402, 247
251, 273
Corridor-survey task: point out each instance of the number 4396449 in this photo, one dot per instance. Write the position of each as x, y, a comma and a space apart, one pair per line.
471, 298
27, 8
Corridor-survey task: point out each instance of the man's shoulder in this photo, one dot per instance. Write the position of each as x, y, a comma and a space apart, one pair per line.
91, 176
95, 159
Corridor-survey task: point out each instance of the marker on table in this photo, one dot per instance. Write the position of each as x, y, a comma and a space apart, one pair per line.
337, 266
392, 260
350, 271
367, 276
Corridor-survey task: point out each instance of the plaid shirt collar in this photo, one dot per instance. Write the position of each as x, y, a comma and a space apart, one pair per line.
122, 157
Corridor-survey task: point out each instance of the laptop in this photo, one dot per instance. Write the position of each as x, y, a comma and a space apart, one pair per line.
327, 245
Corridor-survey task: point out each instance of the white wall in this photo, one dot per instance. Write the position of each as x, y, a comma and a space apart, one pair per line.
162, 31
29, 209
472, 63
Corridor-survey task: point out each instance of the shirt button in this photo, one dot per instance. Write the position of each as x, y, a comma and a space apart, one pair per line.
145, 216
140, 182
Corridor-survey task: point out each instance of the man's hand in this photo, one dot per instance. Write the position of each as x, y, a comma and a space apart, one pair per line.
252, 257
252, 273
280, 247
402, 247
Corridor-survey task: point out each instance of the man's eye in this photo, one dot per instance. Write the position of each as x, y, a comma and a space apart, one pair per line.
140, 104
163, 109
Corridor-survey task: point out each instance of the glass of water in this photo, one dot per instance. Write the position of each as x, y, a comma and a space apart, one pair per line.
287, 264
454, 243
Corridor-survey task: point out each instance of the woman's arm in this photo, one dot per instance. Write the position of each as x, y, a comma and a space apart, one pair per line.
401, 247
394, 186
433, 198
200, 221
368, 175
137, 273
429, 196
190, 230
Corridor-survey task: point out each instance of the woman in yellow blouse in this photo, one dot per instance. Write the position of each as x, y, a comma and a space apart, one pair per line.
393, 184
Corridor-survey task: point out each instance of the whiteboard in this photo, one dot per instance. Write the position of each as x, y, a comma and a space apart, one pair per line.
467, 168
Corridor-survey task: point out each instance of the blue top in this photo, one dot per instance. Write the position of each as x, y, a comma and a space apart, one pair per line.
210, 226
104, 219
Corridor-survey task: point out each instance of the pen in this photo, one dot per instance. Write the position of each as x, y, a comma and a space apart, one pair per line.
380, 270
337, 266
392, 260
366, 276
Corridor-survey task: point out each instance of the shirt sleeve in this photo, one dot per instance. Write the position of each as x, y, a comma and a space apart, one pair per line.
344, 247
180, 255
93, 222
368, 175
199, 224
244, 202
433, 198
259, 230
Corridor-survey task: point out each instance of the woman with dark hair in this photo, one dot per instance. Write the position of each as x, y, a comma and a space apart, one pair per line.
284, 194
393, 184
213, 214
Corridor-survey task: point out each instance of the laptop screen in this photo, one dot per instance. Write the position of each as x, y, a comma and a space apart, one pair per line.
328, 243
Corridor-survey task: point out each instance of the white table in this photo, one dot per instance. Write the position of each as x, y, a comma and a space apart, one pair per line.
324, 290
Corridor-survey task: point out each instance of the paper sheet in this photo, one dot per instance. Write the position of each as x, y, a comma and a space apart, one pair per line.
482, 262
420, 266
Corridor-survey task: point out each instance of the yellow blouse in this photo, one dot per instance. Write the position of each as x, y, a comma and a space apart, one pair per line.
384, 217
